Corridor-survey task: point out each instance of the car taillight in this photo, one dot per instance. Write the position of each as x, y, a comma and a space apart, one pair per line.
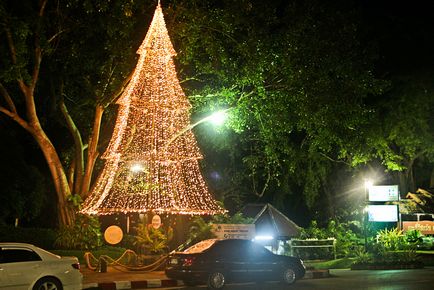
76, 266
187, 262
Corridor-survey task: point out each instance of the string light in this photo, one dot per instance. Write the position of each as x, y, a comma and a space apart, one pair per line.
143, 172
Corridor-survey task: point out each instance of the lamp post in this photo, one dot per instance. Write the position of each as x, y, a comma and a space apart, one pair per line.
368, 184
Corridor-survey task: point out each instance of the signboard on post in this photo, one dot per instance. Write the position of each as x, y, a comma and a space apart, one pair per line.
383, 213
425, 227
383, 193
234, 231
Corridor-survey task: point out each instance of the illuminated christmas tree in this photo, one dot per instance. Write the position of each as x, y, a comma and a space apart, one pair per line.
146, 169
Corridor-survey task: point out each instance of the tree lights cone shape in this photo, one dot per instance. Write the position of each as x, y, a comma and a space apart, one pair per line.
143, 171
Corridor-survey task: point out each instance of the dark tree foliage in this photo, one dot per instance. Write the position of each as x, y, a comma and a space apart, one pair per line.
295, 75
312, 103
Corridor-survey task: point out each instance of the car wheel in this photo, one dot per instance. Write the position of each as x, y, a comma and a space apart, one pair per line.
288, 276
48, 283
216, 280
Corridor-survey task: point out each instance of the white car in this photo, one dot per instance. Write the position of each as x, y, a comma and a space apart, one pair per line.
25, 266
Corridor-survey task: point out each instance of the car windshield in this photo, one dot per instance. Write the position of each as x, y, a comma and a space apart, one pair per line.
200, 247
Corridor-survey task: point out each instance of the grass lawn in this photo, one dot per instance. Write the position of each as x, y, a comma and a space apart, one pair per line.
427, 257
342, 263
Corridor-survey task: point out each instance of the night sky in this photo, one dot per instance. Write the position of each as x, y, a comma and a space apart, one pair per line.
404, 31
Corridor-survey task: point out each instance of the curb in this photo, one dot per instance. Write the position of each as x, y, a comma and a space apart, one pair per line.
149, 283
157, 283
317, 274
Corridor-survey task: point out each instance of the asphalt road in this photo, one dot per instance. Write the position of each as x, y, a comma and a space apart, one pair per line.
418, 279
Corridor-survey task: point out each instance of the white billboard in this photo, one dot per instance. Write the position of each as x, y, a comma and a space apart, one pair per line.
383, 213
234, 231
383, 193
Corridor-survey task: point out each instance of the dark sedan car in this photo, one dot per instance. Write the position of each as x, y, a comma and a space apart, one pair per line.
216, 262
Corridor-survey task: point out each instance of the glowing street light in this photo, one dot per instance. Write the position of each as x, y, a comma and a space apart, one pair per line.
216, 118
368, 183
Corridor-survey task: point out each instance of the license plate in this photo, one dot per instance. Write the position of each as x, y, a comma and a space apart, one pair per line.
174, 261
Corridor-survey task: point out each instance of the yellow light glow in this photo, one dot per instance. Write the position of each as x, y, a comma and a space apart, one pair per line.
137, 168
143, 172
368, 183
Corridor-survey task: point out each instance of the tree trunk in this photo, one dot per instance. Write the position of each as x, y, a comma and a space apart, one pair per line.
410, 178
329, 197
78, 145
92, 151
403, 187
431, 181
65, 213
32, 123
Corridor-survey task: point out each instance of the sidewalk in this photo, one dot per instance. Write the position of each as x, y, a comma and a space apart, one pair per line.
115, 279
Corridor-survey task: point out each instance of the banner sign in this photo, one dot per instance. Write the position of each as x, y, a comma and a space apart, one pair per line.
383, 193
383, 213
425, 227
234, 231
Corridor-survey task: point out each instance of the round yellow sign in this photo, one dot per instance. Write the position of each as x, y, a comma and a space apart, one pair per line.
113, 235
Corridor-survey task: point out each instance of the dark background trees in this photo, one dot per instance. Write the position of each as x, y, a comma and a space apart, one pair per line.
320, 95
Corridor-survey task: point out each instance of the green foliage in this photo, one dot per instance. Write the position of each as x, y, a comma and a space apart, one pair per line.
362, 256
84, 234
343, 263
201, 229
297, 94
391, 247
346, 240
149, 240
427, 243
414, 237
301, 97
390, 239
236, 218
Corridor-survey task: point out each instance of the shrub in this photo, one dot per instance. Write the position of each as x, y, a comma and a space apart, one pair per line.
414, 237
199, 230
362, 256
391, 247
346, 239
152, 241
84, 234
390, 240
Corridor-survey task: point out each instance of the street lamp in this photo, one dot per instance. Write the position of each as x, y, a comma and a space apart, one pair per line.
368, 184
216, 118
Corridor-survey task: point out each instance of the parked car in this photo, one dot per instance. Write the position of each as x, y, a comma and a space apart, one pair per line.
25, 266
216, 262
